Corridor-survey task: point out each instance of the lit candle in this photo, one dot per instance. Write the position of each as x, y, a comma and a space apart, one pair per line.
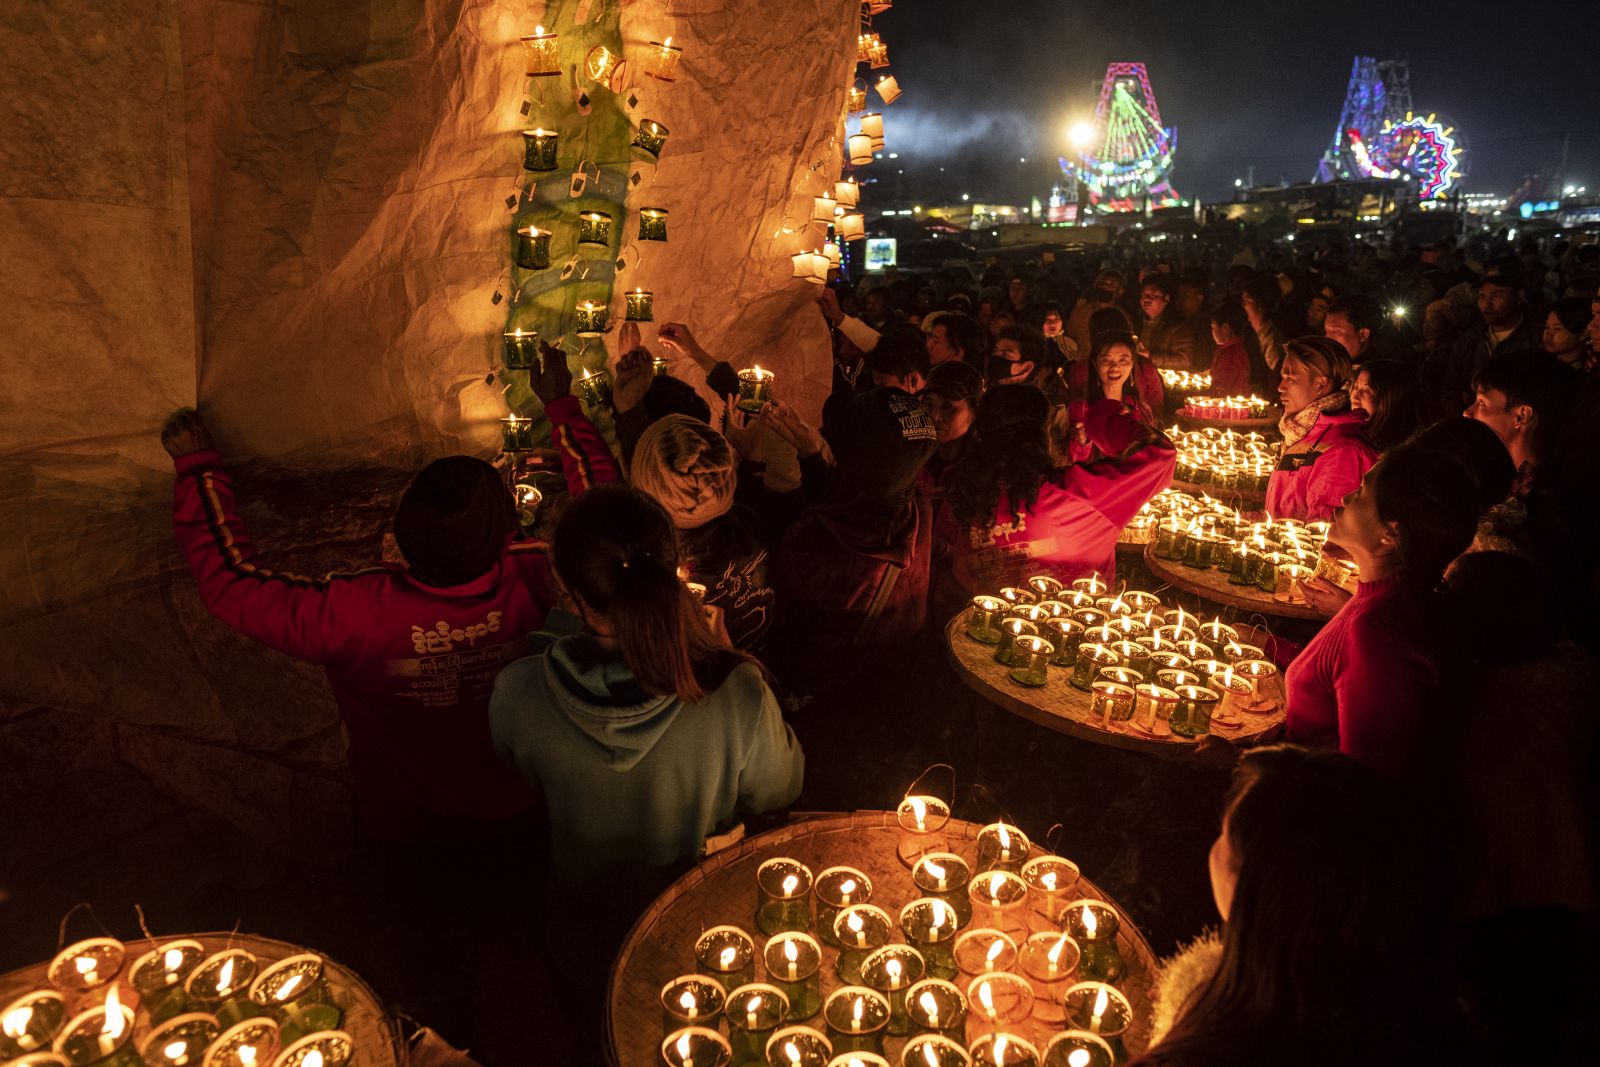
855, 1018
696, 1046
650, 138
540, 50
661, 62
860, 147
822, 208
727, 954
860, 929
604, 67
1098, 1008
532, 248
539, 150
592, 319
888, 89
641, 305
691, 1000
755, 389
653, 224
1093, 924
850, 226
594, 228
1079, 1048
836, 889
794, 963
516, 434
847, 192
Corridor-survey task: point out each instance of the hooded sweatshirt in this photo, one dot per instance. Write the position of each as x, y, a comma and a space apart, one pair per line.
635, 782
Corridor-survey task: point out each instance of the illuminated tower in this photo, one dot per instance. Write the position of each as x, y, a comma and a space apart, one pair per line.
1127, 158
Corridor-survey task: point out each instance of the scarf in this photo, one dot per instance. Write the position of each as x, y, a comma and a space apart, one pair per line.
1296, 426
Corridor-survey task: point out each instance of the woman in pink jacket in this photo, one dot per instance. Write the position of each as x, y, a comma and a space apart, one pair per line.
1325, 446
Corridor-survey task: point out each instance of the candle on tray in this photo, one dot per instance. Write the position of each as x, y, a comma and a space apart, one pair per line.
1098, 1008
696, 1046
1049, 880
794, 966
1110, 701
856, 1018
753, 1013
727, 954
936, 1006
783, 896
860, 929
837, 888
798, 1046
892, 970
31, 1022
691, 1000
1078, 1048
1093, 924
180, 1041
933, 1050
996, 1002
999, 898
1050, 959
945, 875
929, 925
981, 951
1004, 1049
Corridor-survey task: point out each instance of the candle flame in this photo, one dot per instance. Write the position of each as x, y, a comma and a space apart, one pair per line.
729, 954
938, 916
997, 880
847, 887
683, 1047
247, 1056
1078, 1057
790, 953
1091, 923
792, 1052
15, 1024
85, 966
225, 976
993, 954
986, 997
1227, 677
687, 1001
290, 986
930, 1057
173, 958
1101, 1001
1054, 955
857, 1011
929, 1005
1049, 880
667, 43
934, 869
538, 31
313, 1059
175, 1051
1001, 1045
753, 1005
919, 811
115, 1022
1005, 837
760, 374
854, 922
790, 884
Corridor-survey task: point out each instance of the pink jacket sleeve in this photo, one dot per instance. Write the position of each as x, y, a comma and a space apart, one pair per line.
308, 618
1137, 464
1151, 389
586, 459
1335, 474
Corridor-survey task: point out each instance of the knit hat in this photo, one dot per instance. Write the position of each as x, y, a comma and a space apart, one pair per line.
688, 468
453, 521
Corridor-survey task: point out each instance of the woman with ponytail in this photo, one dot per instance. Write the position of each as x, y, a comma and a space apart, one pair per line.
1364, 684
647, 732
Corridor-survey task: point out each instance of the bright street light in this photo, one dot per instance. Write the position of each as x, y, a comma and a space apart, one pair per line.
1081, 134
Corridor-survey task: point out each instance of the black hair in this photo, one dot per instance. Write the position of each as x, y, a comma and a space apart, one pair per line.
1008, 453
900, 352
1487, 588
1231, 315
1574, 313
1432, 499
1363, 312
1394, 393
616, 549
967, 334
1536, 378
1264, 290
1476, 447
674, 396
1109, 319
1159, 281
1031, 346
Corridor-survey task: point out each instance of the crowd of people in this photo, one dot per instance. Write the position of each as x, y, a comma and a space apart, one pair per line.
627, 678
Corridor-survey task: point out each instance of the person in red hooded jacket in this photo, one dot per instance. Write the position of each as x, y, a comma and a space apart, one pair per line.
1010, 512
411, 652
1325, 448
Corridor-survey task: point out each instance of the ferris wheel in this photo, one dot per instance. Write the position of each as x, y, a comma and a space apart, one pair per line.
1127, 153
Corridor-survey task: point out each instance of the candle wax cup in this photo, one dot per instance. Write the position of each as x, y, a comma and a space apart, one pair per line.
856, 1018
36, 1018
697, 1045
860, 929
539, 150
936, 1005
1092, 1050
520, 350
753, 1013
838, 887
653, 224
783, 896
793, 964
691, 1000
1111, 701
1004, 1049
727, 954
86, 964
1092, 657
641, 306
1098, 1008
984, 615
755, 389
533, 248
650, 138
892, 971
594, 228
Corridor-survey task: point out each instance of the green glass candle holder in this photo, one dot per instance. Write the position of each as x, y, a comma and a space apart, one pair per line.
783, 896
1111, 701
31, 1023
1031, 656
936, 1006
659, 368
794, 966
181, 1040
641, 305
1002, 847
1091, 657
1065, 635
295, 991
653, 224
539, 150
1093, 924
727, 954
1078, 1048
892, 970
219, 984
1050, 880
532, 250
592, 318
1241, 566
245, 1044
1049, 959
999, 902
650, 138
945, 875
1018, 596
1045, 586
520, 350
754, 1013
101, 1036
327, 1048
838, 887
1153, 704
1004, 1049
856, 1019
934, 1050
929, 925
1011, 628
594, 228
860, 929
997, 1002
1135, 657
1098, 1008
798, 1046
691, 1000
1169, 542
86, 965
1192, 710
984, 615
755, 389
921, 817
982, 950
696, 1046
516, 434
1267, 571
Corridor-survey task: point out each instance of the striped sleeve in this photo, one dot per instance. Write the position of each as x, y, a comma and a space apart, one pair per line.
586, 459
291, 613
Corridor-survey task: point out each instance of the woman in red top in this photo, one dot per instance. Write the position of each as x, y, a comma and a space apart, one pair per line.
1112, 364
1235, 370
1011, 512
1363, 684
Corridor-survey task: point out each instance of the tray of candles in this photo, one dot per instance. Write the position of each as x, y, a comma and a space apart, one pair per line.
882, 938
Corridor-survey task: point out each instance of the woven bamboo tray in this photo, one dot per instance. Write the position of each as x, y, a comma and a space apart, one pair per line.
377, 1043
1065, 709
1212, 585
723, 890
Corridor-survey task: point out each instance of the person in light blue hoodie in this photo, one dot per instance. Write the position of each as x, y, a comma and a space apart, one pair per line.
646, 731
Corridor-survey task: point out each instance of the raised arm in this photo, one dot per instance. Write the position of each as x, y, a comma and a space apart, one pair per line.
586, 459
291, 613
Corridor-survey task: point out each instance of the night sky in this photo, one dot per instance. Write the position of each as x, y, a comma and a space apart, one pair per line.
1245, 82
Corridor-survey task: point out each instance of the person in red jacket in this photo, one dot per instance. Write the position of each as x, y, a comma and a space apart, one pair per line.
1113, 365
1233, 371
1325, 446
411, 652
1010, 512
